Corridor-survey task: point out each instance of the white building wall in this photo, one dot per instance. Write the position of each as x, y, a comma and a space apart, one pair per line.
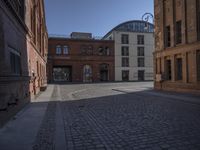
133, 65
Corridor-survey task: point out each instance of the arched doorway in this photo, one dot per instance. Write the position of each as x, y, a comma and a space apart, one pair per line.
87, 73
104, 72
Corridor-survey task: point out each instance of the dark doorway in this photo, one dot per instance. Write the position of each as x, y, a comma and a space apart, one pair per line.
125, 75
62, 74
140, 75
104, 75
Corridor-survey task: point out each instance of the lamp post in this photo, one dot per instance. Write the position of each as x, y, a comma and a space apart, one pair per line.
146, 17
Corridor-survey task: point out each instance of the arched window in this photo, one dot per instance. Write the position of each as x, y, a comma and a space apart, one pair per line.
66, 50
58, 49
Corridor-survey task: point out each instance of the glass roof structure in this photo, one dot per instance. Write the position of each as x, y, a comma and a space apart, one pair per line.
134, 26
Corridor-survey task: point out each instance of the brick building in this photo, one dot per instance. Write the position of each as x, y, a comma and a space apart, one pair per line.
23, 46
37, 45
177, 54
80, 58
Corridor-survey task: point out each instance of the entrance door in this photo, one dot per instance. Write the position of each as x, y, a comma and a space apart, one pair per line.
140, 75
104, 72
87, 73
125, 75
62, 74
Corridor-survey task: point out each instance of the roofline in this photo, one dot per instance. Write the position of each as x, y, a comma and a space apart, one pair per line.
78, 39
123, 24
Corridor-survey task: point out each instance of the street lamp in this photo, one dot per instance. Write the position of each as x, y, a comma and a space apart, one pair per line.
146, 18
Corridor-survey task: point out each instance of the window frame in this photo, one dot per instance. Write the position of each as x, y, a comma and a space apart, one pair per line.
139, 62
140, 39
124, 38
58, 48
125, 62
139, 51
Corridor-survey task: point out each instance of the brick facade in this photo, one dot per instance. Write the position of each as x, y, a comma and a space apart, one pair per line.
37, 46
177, 45
19, 53
82, 52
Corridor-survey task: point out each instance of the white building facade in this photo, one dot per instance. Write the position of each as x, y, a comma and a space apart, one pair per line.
134, 46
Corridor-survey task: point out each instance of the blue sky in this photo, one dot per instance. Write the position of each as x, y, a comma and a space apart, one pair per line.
95, 16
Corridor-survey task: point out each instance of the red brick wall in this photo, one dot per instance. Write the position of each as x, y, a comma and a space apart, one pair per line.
77, 60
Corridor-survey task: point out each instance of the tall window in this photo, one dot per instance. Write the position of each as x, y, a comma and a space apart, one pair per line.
65, 50
178, 32
141, 62
125, 51
58, 50
167, 37
15, 63
179, 73
125, 62
198, 65
168, 71
198, 19
125, 39
140, 51
140, 39
107, 51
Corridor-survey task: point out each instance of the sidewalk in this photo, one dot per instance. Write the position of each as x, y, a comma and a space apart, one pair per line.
20, 132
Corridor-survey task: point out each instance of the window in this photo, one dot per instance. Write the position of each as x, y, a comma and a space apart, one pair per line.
198, 65
168, 69
167, 37
58, 50
140, 62
101, 50
125, 51
125, 39
104, 51
140, 39
65, 50
125, 62
198, 20
179, 75
15, 63
125, 75
107, 51
140, 51
178, 32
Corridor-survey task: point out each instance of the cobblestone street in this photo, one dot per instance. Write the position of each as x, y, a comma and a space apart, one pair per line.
124, 116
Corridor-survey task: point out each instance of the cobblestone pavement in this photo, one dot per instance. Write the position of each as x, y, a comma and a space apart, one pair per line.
106, 118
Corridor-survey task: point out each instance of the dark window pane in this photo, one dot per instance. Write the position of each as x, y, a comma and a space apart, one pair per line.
125, 51
178, 32
141, 62
179, 74
125, 62
140, 39
140, 51
168, 70
167, 37
125, 75
125, 39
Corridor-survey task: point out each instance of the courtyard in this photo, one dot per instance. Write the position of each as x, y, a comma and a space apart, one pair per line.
110, 116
